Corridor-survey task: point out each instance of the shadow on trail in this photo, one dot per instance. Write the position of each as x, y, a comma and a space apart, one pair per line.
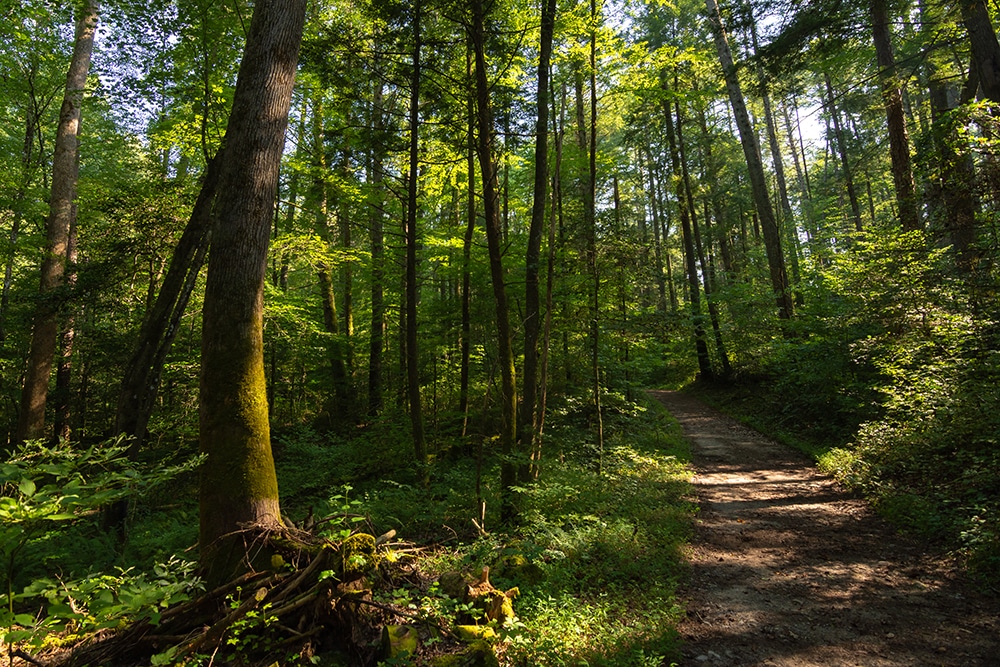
788, 569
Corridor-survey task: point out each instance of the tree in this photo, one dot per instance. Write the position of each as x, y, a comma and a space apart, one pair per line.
65, 169
238, 484
410, 234
892, 98
491, 207
528, 428
755, 167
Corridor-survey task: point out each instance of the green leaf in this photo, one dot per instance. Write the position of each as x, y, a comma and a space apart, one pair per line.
24, 619
27, 487
62, 516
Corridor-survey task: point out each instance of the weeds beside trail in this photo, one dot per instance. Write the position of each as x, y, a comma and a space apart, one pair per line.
597, 560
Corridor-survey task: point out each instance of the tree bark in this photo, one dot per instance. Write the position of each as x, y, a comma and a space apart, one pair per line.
470, 229
65, 169
238, 484
892, 99
755, 167
410, 234
694, 290
375, 237
845, 162
64, 369
985, 47
505, 350
141, 381
528, 426
590, 222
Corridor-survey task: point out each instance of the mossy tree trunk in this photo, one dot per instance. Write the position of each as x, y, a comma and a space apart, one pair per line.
238, 485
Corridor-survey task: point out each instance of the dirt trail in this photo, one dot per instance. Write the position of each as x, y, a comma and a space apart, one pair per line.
790, 570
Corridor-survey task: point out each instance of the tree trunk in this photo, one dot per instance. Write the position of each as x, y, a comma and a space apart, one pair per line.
985, 47
845, 163
661, 282
590, 222
375, 236
141, 381
706, 276
238, 484
694, 295
64, 369
892, 99
470, 228
65, 169
505, 350
527, 428
28, 166
410, 234
337, 408
755, 167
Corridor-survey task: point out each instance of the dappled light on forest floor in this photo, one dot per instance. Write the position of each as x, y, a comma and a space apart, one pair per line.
790, 570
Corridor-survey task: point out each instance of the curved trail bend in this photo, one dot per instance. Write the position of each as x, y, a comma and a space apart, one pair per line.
790, 570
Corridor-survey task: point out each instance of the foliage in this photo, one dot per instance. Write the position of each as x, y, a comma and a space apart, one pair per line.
47, 486
596, 560
69, 609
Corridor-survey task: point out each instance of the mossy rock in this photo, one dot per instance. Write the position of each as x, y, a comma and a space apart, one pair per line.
478, 654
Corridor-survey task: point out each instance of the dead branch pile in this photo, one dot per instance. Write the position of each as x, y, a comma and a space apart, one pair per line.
315, 603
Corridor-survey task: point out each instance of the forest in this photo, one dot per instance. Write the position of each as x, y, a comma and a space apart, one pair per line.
357, 302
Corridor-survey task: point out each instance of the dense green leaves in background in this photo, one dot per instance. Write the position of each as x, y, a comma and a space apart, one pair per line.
657, 266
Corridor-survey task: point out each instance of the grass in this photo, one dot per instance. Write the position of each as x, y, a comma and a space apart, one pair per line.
597, 558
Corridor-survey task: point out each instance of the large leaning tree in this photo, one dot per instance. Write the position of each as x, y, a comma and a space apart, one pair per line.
239, 488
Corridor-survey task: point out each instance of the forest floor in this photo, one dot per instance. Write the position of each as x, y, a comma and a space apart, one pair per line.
791, 570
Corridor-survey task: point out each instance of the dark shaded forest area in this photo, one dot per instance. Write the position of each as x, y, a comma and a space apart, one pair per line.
362, 298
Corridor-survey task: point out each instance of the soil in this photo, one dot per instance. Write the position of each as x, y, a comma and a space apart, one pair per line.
789, 569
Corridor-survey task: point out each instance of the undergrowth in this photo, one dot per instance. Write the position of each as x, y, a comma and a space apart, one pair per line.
596, 557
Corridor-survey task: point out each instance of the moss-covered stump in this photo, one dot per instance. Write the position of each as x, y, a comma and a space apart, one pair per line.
495, 604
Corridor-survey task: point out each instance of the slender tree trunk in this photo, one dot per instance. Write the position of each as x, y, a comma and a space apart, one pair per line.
550, 274
375, 235
28, 166
505, 350
470, 228
238, 483
410, 233
338, 407
65, 168
141, 382
527, 429
787, 222
661, 281
711, 177
755, 167
590, 222
845, 163
694, 291
801, 175
892, 99
713, 311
